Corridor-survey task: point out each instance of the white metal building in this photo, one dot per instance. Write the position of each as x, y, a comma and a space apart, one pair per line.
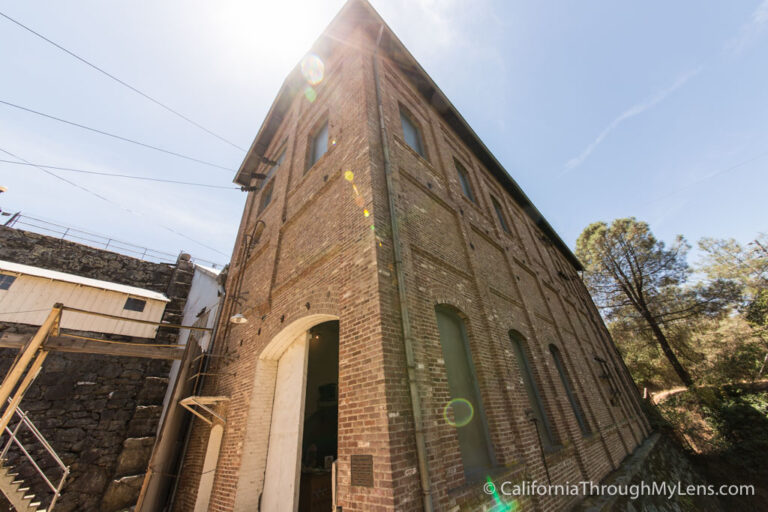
28, 293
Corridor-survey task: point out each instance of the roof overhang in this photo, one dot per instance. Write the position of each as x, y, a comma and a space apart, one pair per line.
360, 14
44, 273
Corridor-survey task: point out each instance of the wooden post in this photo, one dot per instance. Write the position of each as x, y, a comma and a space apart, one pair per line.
17, 370
31, 375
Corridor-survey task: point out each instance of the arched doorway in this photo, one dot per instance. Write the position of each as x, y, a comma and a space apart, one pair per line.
321, 419
296, 375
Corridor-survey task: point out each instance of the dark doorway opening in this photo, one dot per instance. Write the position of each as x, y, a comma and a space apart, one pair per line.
319, 446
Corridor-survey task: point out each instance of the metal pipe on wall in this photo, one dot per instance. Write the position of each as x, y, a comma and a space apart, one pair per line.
421, 446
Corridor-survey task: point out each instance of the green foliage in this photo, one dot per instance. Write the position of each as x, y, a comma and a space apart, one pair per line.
641, 287
729, 260
756, 310
716, 351
713, 331
627, 269
740, 421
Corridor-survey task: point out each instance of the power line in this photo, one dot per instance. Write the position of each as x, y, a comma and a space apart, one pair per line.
107, 200
121, 82
129, 176
119, 137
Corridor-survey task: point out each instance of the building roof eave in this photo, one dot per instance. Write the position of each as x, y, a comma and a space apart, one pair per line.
366, 16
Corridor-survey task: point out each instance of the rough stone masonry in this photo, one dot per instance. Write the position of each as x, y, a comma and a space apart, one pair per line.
99, 413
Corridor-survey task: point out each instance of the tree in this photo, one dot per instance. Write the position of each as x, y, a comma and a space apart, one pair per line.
728, 259
747, 266
637, 280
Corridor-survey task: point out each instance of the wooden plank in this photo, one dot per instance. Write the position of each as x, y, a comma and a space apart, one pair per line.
80, 346
26, 355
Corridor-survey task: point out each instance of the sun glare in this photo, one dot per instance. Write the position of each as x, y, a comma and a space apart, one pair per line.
279, 32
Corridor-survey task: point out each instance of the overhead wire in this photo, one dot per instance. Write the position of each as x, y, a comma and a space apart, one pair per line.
115, 136
121, 82
113, 175
107, 200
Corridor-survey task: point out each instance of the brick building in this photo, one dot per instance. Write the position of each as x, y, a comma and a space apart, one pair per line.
410, 314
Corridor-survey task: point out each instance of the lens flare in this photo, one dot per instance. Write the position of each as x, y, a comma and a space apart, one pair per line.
500, 505
313, 69
463, 412
349, 176
366, 213
310, 94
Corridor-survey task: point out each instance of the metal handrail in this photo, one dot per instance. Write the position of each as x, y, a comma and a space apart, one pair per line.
97, 240
24, 420
31, 426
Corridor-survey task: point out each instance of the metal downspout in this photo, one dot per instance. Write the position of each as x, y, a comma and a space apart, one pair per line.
212, 346
421, 448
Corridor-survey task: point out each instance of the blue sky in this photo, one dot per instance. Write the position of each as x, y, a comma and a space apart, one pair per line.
599, 110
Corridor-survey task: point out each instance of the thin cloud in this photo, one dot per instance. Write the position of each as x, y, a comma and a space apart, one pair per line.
750, 30
631, 112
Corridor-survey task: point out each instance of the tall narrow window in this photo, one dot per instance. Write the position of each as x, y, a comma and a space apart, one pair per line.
274, 168
534, 397
269, 184
466, 187
411, 133
575, 405
266, 196
500, 215
465, 406
319, 145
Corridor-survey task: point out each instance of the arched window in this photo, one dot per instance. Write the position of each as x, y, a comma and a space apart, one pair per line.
464, 410
532, 389
575, 405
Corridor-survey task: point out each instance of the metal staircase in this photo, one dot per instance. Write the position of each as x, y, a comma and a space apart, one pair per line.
17, 495
14, 487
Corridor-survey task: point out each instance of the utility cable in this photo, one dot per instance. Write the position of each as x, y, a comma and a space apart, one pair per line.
119, 137
113, 203
128, 176
121, 82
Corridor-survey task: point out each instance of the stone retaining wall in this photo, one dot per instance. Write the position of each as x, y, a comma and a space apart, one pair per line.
100, 413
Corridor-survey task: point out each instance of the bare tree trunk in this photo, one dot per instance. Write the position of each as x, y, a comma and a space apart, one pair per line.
664, 344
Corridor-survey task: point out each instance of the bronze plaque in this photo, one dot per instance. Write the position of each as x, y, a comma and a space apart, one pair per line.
361, 471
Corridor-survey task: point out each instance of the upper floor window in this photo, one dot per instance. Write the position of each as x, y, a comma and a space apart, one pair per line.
269, 184
266, 196
465, 405
564, 378
272, 170
319, 145
543, 424
411, 133
466, 187
500, 215
6, 281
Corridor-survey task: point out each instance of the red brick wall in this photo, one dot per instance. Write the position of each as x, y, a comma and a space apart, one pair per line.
320, 253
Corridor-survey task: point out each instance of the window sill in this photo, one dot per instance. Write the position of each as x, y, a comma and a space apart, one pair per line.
412, 151
319, 162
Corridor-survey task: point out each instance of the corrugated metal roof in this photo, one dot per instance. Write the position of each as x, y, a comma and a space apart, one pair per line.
18, 268
213, 272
